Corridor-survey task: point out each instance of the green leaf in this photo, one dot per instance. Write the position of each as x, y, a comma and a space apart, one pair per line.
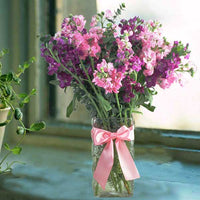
16, 79
71, 106
16, 150
54, 82
105, 103
10, 77
37, 126
4, 123
3, 52
7, 147
149, 107
138, 112
7, 90
22, 95
3, 77
26, 100
33, 91
18, 114
118, 11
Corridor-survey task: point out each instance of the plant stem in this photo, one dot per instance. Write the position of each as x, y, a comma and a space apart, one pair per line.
93, 87
120, 114
126, 186
4, 158
88, 94
18, 143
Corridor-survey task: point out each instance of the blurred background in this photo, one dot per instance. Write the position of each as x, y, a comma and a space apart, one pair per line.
23, 22
169, 134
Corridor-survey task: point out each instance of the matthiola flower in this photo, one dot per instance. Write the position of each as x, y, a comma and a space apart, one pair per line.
93, 21
107, 77
98, 31
65, 79
89, 46
72, 25
128, 89
154, 47
79, 22
129, 58
167, 82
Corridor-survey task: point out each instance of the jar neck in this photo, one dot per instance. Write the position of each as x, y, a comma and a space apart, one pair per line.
112, 123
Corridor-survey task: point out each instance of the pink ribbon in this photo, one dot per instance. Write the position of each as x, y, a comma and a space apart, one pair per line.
106, 159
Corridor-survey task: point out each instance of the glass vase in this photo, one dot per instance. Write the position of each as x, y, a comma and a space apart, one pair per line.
117, 185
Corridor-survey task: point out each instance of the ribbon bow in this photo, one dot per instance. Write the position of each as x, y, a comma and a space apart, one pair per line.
106, 159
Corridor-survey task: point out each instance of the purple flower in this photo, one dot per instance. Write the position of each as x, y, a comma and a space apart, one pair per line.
64, 78
128, 89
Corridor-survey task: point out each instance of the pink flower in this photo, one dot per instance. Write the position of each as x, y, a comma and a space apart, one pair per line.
79, 21
72, 25
108, 14
187, 56
167, 82
92, 40
98, 31
107, 77
78, 39
93, 21
154, 47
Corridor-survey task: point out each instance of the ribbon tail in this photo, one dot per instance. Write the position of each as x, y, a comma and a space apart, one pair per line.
126, 161
104, 165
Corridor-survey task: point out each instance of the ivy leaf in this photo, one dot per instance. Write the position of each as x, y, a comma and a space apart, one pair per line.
16, 150
37, 126
105, 103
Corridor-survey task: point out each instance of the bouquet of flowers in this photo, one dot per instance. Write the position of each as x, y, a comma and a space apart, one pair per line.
113, 69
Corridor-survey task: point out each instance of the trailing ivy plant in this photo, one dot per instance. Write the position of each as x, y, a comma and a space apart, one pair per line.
10, 98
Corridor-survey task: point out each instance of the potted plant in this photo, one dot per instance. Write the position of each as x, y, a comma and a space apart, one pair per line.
114, 69
11, 103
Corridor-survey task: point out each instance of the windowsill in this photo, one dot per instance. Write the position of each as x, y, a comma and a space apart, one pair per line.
170, 138
65, 174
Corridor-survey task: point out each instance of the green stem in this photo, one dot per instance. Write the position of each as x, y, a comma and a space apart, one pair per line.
93, 87
118, 105
82, 86
21, 139
4, 158
96, 189
126, 185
